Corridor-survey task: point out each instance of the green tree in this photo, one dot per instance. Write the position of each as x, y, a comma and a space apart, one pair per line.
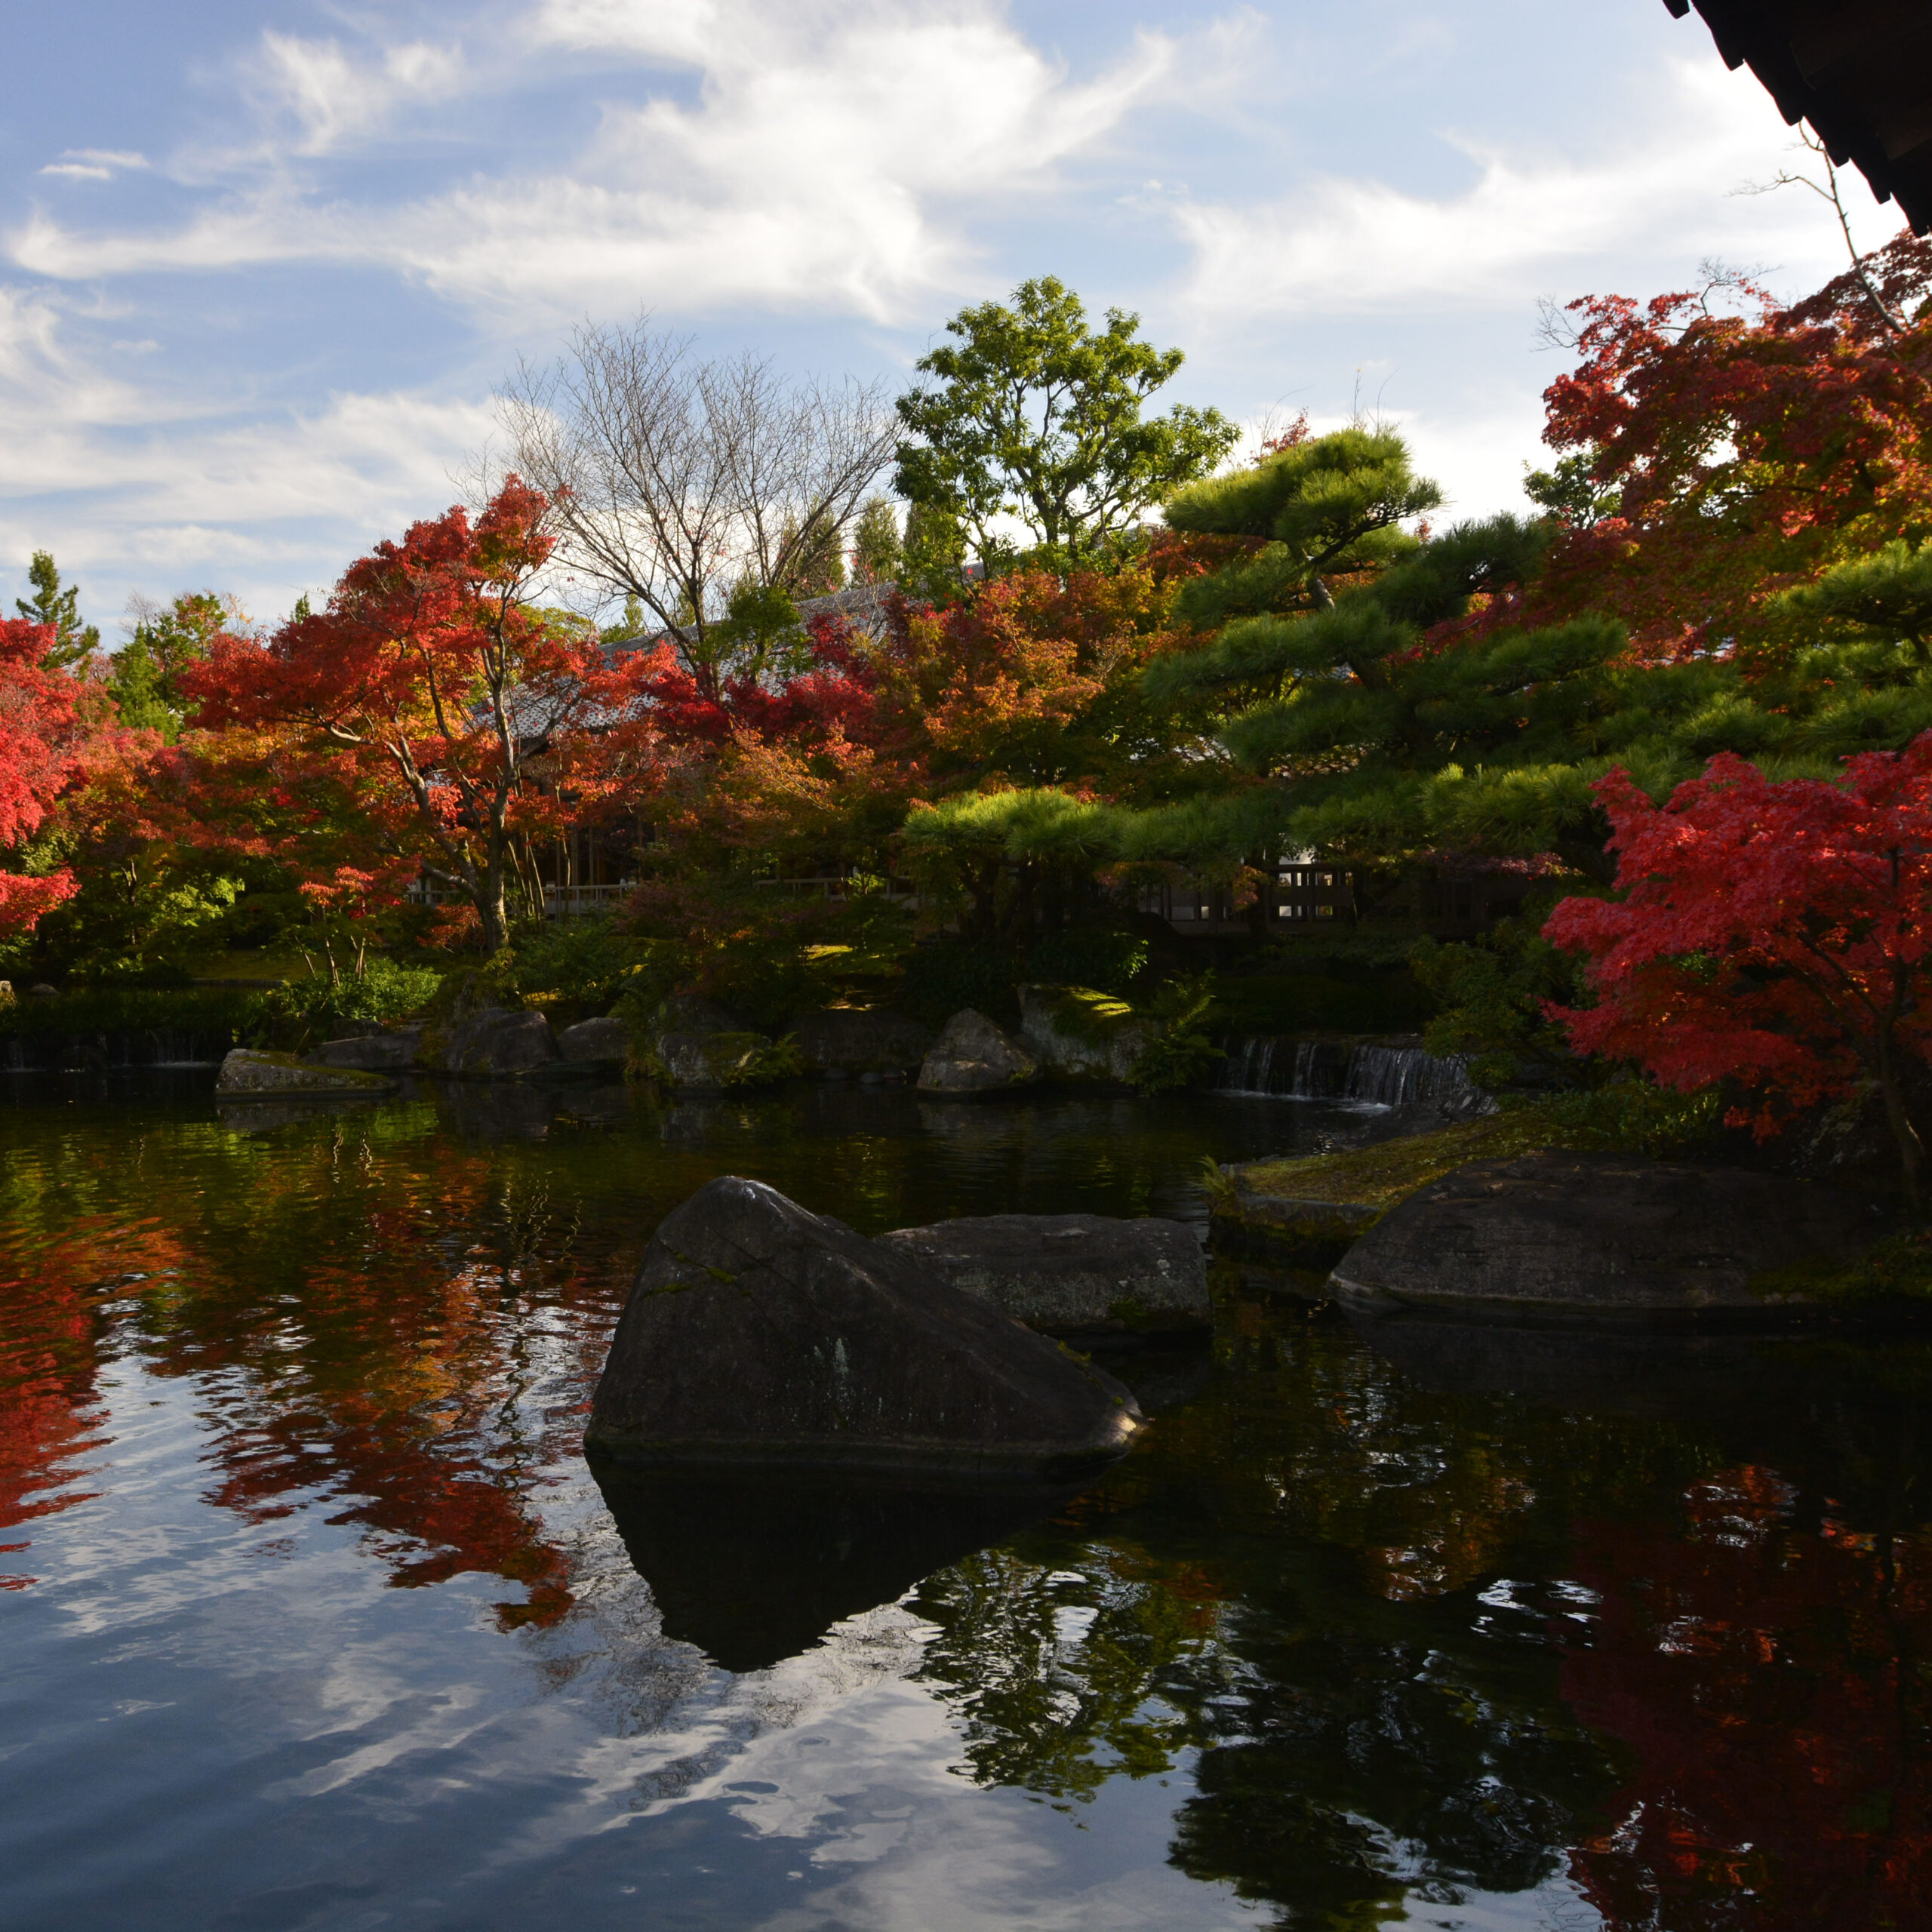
53, 603
875, 544
932, 556
1570, 492
1035, 417
145, 679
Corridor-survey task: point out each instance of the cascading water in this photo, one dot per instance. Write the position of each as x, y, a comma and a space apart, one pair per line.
113, 1049
1378, 1073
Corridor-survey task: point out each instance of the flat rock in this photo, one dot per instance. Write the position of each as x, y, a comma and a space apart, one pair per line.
858, 1040
248, 1073
756, 1332
1603, 1237
972, 1055
600, 1042
494, 1043
371, 1053
1068, 1273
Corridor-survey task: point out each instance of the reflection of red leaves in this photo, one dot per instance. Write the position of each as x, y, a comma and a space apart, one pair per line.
1772, 1687
372, 1386
51, 1416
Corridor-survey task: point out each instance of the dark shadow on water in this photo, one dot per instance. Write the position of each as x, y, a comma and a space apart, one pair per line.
1851, 1417
755, 1569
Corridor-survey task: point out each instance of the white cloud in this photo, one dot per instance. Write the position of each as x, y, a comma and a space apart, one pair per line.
95, 164
1344, 246
332, 97
824, 163
160, 488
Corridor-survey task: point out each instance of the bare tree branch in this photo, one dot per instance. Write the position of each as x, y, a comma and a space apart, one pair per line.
675, 479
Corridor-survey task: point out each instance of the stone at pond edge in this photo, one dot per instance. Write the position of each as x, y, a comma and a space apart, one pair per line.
247, 1073
1068, 1273
1604, 1238
1067, 1029
594, 1042
974, 1056
756, 1332
493, 1044
862, 1040
377, 1052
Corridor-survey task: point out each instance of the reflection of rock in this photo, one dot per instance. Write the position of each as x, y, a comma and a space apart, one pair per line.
1068, 1272
856, 1040
593, 1042
1599, 1237
754, 1569
973, 1056
261, 1116
493, 1044
499, 1109
247, 1073
609, 1103
1074, 1030
373, 1052
757, 1332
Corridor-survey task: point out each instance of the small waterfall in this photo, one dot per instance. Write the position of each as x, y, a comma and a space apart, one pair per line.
1378, 1073
116, 1050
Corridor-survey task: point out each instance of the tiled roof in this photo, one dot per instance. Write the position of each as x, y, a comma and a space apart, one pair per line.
1860, 71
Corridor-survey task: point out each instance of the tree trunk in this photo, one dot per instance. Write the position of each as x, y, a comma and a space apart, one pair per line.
491, 909
1912, 1152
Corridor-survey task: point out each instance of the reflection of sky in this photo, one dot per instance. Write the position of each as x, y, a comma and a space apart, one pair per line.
244, 1720
262, 261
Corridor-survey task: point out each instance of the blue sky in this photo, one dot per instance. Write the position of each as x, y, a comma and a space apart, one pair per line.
262, 262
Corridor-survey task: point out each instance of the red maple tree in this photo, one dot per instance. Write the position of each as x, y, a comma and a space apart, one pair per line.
1773, 931
52, 728
1750, 444
459, 721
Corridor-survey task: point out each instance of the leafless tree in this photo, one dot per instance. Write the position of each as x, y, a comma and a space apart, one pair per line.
1829, 190
676, 479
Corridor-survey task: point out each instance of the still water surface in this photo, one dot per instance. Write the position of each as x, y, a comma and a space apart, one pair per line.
312, 1617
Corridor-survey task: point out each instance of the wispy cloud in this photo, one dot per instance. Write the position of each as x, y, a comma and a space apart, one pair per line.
1356, 245
95, 164
822, 160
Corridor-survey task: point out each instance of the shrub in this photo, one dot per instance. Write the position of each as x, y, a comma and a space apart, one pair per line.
383, 990
1106, 959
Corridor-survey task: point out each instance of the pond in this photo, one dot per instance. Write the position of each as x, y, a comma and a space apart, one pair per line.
314, 1618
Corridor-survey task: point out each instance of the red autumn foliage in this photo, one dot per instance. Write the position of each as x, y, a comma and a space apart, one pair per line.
460, 722
1751, 450
1769, 1686
48, 734
1774, 932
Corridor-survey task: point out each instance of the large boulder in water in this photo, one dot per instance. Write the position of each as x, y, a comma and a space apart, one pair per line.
974, 1056
860, 1040
1607, 1238
1069, 1274
605, 1041
373, 1052
757, 1332
492, 1043
1075, 1030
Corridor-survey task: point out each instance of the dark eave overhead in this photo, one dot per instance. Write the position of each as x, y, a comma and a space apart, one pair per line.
1860, 71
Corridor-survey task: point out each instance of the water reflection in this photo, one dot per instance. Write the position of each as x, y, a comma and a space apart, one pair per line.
1402, 1617
753, 1572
